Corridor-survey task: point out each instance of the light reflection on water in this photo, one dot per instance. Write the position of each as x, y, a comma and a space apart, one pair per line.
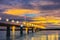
42, 35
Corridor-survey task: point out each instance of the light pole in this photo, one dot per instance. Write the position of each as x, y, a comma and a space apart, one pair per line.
21, 29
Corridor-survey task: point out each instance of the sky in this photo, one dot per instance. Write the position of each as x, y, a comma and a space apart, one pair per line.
34, 9
42, 7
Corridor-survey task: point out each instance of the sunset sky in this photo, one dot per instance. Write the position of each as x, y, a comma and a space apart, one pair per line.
46, 10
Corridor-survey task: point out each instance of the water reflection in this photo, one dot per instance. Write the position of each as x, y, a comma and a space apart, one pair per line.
13, 32
7, 38
51, 36
26, 38
11, 37
42, 35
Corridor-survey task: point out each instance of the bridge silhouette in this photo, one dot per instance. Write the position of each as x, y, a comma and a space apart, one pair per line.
23, 26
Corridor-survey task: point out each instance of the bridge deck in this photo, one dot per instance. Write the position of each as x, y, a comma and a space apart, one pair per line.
3, 23
6, 23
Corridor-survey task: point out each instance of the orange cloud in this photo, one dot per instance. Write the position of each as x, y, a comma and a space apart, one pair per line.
21, 11
39, 18
49, 19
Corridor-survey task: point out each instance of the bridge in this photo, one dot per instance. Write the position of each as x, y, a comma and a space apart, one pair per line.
23, 26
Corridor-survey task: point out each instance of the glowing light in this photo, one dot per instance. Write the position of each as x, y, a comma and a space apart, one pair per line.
21, 25
17, 21
7, 19
13, 29
13, 32
26, 30
0, 18
32, 24
12, 21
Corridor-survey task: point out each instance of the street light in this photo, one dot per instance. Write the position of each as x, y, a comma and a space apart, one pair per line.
7, 19
32, 25
0, 18
12, 21
21, 25
17, 21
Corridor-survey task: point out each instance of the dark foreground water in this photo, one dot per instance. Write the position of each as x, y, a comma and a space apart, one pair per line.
41, 35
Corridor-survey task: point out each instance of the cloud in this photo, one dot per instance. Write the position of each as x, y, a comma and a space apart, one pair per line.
5, 6
30, 8
57, 1
50, 13
40, 5
50, 7
20, 12
41, 2
31, 4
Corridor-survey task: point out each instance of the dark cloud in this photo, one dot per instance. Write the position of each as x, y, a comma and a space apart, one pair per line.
4, 2
1, 1
11, 2
58, 1
1, 10
27, 4
50, 7
31, 4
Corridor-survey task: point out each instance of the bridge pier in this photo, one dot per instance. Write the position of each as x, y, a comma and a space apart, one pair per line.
21, 30
8, 31
32, 29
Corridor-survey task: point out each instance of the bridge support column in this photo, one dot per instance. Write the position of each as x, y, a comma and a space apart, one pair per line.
8, 31
32, 29
27, 31
21, 31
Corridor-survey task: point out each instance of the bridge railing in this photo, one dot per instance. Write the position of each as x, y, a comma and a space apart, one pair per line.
33, 25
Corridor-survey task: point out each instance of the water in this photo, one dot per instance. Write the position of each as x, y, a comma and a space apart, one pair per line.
41, 35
